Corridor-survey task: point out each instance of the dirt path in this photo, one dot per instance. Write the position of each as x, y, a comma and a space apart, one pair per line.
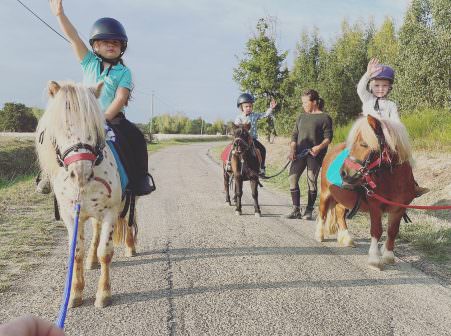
201, 270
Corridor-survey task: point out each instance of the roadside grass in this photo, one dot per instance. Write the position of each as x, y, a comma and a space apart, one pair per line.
156, 146
17, 157
428, 130
27, 229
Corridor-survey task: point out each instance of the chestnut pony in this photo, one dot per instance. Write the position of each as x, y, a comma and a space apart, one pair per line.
245, 167
378, 161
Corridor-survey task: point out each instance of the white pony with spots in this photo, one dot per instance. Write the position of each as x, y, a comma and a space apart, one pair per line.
72, 151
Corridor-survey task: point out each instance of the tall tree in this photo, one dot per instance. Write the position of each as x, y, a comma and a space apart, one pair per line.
384, 43
261, 71
346, 62
423, 78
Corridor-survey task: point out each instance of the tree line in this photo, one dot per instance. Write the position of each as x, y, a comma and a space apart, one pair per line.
420, 53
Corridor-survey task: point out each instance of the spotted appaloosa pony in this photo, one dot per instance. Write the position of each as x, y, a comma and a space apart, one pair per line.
378, 161
245, 167
72, 152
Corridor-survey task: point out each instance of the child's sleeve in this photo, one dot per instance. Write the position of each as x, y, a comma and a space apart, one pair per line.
87, 60
264, 115
394, 115
126, 80
363, 93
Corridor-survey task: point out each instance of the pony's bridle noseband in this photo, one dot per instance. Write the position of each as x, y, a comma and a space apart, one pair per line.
241, 142
371, 164
94, 154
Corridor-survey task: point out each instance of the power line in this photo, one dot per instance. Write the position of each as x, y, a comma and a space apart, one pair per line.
42, 20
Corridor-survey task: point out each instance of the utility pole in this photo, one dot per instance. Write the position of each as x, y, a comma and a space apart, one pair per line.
151, 116
201, 126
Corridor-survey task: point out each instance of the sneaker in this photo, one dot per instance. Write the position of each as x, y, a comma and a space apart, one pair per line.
228, 166
43, 186
295, 213
262, 171
308, 214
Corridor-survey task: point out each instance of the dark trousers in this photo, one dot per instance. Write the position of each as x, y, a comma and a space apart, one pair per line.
132, 148
262, 150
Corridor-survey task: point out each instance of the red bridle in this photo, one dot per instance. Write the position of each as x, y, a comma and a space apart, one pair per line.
368, 167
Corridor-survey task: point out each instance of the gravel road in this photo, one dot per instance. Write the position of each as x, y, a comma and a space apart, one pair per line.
202, 270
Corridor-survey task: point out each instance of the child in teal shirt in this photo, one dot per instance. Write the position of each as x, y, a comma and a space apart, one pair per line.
104, 63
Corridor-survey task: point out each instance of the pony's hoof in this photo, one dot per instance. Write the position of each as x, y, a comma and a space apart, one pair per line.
375, 263
90, 265
388, 257
103, 302
258, 214
230, 203
345, 239
238, 213
75, 302
130, 252
319, 237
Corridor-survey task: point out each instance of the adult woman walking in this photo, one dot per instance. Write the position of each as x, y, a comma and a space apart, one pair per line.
313, 133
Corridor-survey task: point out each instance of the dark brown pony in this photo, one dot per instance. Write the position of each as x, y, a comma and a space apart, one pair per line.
245, 167
378, 161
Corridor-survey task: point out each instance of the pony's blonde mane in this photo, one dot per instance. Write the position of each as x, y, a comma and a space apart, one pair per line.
72, 113
396, 137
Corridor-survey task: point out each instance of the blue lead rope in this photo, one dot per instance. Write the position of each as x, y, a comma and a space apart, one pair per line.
67, 287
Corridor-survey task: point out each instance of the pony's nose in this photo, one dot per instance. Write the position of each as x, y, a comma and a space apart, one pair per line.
80, 175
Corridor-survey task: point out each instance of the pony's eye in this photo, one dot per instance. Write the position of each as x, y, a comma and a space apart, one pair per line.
364, 144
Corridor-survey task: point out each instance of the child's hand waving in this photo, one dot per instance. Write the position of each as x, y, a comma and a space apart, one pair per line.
56, 6
373, 67
273, 103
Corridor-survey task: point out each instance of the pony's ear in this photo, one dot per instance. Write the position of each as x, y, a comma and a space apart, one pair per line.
97, 89
375, 124
247, 126
234, 126
53, 88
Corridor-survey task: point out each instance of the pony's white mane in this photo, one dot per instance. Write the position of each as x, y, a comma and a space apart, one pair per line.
395, 134
73, 114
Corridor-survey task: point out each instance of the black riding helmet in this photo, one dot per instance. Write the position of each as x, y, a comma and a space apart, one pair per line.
109, 29
244, 98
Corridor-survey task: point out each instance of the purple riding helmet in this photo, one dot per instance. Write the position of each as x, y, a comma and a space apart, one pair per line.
387, 73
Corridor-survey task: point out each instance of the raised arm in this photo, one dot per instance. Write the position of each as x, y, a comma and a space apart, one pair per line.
272, 106
372, 69
80, 49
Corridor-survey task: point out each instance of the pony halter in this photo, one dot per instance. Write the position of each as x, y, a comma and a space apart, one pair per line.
366, 168
95, 155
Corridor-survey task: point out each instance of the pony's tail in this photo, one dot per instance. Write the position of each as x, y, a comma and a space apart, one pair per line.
120, 231
123, 233
331, 219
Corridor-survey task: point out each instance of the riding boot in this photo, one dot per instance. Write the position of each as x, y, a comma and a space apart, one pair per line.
296, 199
308, 214
420, 190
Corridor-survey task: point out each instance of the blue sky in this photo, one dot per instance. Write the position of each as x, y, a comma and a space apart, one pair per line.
184, 51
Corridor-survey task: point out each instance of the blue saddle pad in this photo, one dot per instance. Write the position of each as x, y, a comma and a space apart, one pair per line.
122, 174
333, 173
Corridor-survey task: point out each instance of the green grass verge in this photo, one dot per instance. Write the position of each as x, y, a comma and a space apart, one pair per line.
428, 130
27, 229
153, 147
17, 158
